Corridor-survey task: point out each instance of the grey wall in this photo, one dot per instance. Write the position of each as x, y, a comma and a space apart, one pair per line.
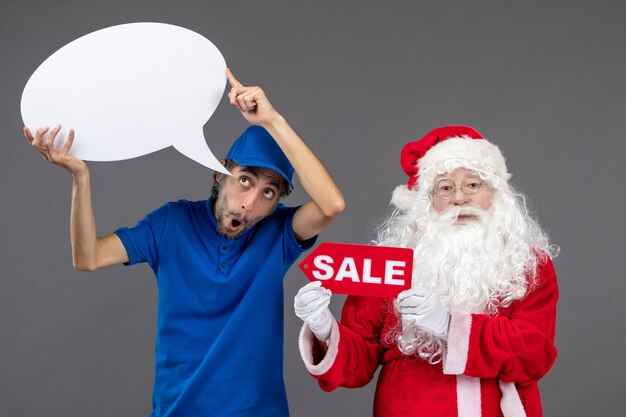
544, 80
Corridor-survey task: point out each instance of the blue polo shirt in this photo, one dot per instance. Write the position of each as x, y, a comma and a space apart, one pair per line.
219, 343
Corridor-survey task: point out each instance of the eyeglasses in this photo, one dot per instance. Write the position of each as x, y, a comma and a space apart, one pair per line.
445, 189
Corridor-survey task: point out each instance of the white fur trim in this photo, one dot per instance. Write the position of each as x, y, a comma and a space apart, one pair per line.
405, 199
468, 396
510, 404
458, 343
305, 343
461, 152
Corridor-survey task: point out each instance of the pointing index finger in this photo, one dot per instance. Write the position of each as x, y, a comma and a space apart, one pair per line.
28, 134
231, 79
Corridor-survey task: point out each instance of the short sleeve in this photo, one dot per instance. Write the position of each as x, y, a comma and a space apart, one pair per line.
142, 240
292, 246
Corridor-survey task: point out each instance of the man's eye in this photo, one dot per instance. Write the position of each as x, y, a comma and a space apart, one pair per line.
244, 181
269, 194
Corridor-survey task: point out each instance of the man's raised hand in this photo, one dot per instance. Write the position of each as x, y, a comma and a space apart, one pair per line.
251, 101
61, 157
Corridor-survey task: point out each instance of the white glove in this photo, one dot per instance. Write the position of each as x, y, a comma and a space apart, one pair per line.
311, 305
424, 309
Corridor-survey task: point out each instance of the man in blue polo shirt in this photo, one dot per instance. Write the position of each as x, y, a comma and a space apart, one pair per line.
219, 264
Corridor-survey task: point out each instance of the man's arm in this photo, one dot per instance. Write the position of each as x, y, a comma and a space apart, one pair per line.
326, 198
89, 252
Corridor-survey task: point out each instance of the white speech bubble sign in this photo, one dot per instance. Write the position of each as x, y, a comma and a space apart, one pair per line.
130, 90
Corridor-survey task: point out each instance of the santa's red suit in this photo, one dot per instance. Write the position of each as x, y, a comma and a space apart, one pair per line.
490, 368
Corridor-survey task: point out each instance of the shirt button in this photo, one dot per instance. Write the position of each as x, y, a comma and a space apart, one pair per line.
223, 266
224, 247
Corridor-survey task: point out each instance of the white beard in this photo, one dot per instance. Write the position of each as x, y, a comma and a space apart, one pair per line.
478, 267
467, 265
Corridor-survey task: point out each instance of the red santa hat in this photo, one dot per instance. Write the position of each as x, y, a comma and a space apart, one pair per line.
446, 149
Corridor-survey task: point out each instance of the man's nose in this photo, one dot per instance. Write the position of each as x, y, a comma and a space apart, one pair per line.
248, 202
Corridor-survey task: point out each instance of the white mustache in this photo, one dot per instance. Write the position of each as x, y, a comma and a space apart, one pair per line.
451, 215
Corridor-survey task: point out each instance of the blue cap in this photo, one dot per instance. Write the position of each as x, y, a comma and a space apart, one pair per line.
257, 148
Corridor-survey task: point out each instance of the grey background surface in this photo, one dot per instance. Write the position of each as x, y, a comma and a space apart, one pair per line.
357, 79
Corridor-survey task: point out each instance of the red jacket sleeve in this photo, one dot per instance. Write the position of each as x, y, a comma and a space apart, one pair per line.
517, 345
354, 348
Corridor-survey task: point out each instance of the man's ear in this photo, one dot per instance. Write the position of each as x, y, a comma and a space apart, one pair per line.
217, 176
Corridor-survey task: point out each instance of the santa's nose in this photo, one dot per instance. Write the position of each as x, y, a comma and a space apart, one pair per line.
459, 197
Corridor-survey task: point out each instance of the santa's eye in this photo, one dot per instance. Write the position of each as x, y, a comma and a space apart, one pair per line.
445, 187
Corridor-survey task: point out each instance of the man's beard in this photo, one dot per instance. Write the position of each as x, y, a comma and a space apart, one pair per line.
223, 211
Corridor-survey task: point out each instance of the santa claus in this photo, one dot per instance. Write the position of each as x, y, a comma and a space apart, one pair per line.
475, 332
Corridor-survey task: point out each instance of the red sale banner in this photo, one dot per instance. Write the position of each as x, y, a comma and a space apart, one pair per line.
377, 271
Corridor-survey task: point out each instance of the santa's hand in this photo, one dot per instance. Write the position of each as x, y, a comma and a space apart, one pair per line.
311, 305
424, 309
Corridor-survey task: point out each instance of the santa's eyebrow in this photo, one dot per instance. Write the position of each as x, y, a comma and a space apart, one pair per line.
442, 177
472, 176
